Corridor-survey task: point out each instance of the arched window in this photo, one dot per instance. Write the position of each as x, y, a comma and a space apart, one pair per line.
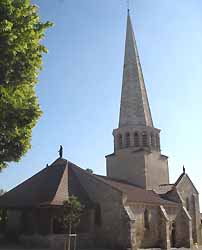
136, 140
146, 219
120, 141
144, 140
98, 215
187, 204
152, 140
57, 224
157, 142
173, 234
127, 140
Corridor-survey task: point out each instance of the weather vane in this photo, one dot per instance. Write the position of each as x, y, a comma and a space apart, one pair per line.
128, 5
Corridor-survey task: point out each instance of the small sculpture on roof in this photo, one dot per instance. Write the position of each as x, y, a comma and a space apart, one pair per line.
183, 169
60, 151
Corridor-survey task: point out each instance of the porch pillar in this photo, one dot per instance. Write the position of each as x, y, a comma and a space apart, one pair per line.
164, 229
184, 229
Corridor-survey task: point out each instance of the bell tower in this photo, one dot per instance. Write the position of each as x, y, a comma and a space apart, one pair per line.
137, 157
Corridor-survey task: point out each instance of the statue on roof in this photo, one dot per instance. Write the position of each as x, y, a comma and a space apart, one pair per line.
60, 151
183, 169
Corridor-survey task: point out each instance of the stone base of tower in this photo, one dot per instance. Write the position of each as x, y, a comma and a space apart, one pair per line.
146, 169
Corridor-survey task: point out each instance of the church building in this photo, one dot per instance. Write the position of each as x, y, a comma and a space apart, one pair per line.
134, 207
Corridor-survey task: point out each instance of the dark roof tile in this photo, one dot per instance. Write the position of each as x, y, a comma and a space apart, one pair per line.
51, 186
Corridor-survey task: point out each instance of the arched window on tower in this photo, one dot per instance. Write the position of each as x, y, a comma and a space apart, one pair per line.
136, 140
187, 204
120, 141
146, 219
157, 141
152, 140
127, 140
144, 140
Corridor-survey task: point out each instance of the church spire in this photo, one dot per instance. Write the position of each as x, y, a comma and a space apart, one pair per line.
137, 155
134, 110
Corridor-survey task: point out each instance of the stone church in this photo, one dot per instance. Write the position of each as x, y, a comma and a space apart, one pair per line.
134, 206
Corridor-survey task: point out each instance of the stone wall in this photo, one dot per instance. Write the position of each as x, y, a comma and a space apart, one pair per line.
156, 166
190, 200
128, 166
14, 225
164, 229
147, 236
142, 168
55, 242
183, 229
114, 228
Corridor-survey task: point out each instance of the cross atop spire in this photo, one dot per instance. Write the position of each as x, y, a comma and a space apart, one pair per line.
135, 110
128, 5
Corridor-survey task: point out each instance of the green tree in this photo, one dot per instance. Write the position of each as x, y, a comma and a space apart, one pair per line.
72, 210
89, 170
21, 52
3, 215
1, 192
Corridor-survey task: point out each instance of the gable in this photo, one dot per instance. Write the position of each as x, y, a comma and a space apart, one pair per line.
185, 185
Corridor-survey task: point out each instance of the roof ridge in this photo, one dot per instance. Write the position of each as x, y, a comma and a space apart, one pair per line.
61, 179
83, 188
180, 178
96, 177
120, 181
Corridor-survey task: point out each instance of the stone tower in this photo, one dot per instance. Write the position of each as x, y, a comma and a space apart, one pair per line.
137, 158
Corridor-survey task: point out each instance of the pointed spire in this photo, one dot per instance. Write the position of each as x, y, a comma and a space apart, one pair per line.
135, 110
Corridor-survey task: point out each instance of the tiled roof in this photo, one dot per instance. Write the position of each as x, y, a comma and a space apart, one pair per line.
75, 187
137, 194
179, 179
51, 186
163, 189
55, 183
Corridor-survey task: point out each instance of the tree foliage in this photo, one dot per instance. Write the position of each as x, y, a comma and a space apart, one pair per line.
89, 170
72, 210
2, 192
20, 62
3, 214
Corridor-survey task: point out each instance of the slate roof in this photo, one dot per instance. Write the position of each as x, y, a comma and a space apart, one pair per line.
55, 183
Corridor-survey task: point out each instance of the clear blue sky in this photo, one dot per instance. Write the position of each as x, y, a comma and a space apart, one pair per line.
80, 85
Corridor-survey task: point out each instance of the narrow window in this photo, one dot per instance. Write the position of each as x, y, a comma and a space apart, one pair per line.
127, 138
136, 140
157, 142
144, 140
152, 140
146, 219
187, 204
98, 215
120, 141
